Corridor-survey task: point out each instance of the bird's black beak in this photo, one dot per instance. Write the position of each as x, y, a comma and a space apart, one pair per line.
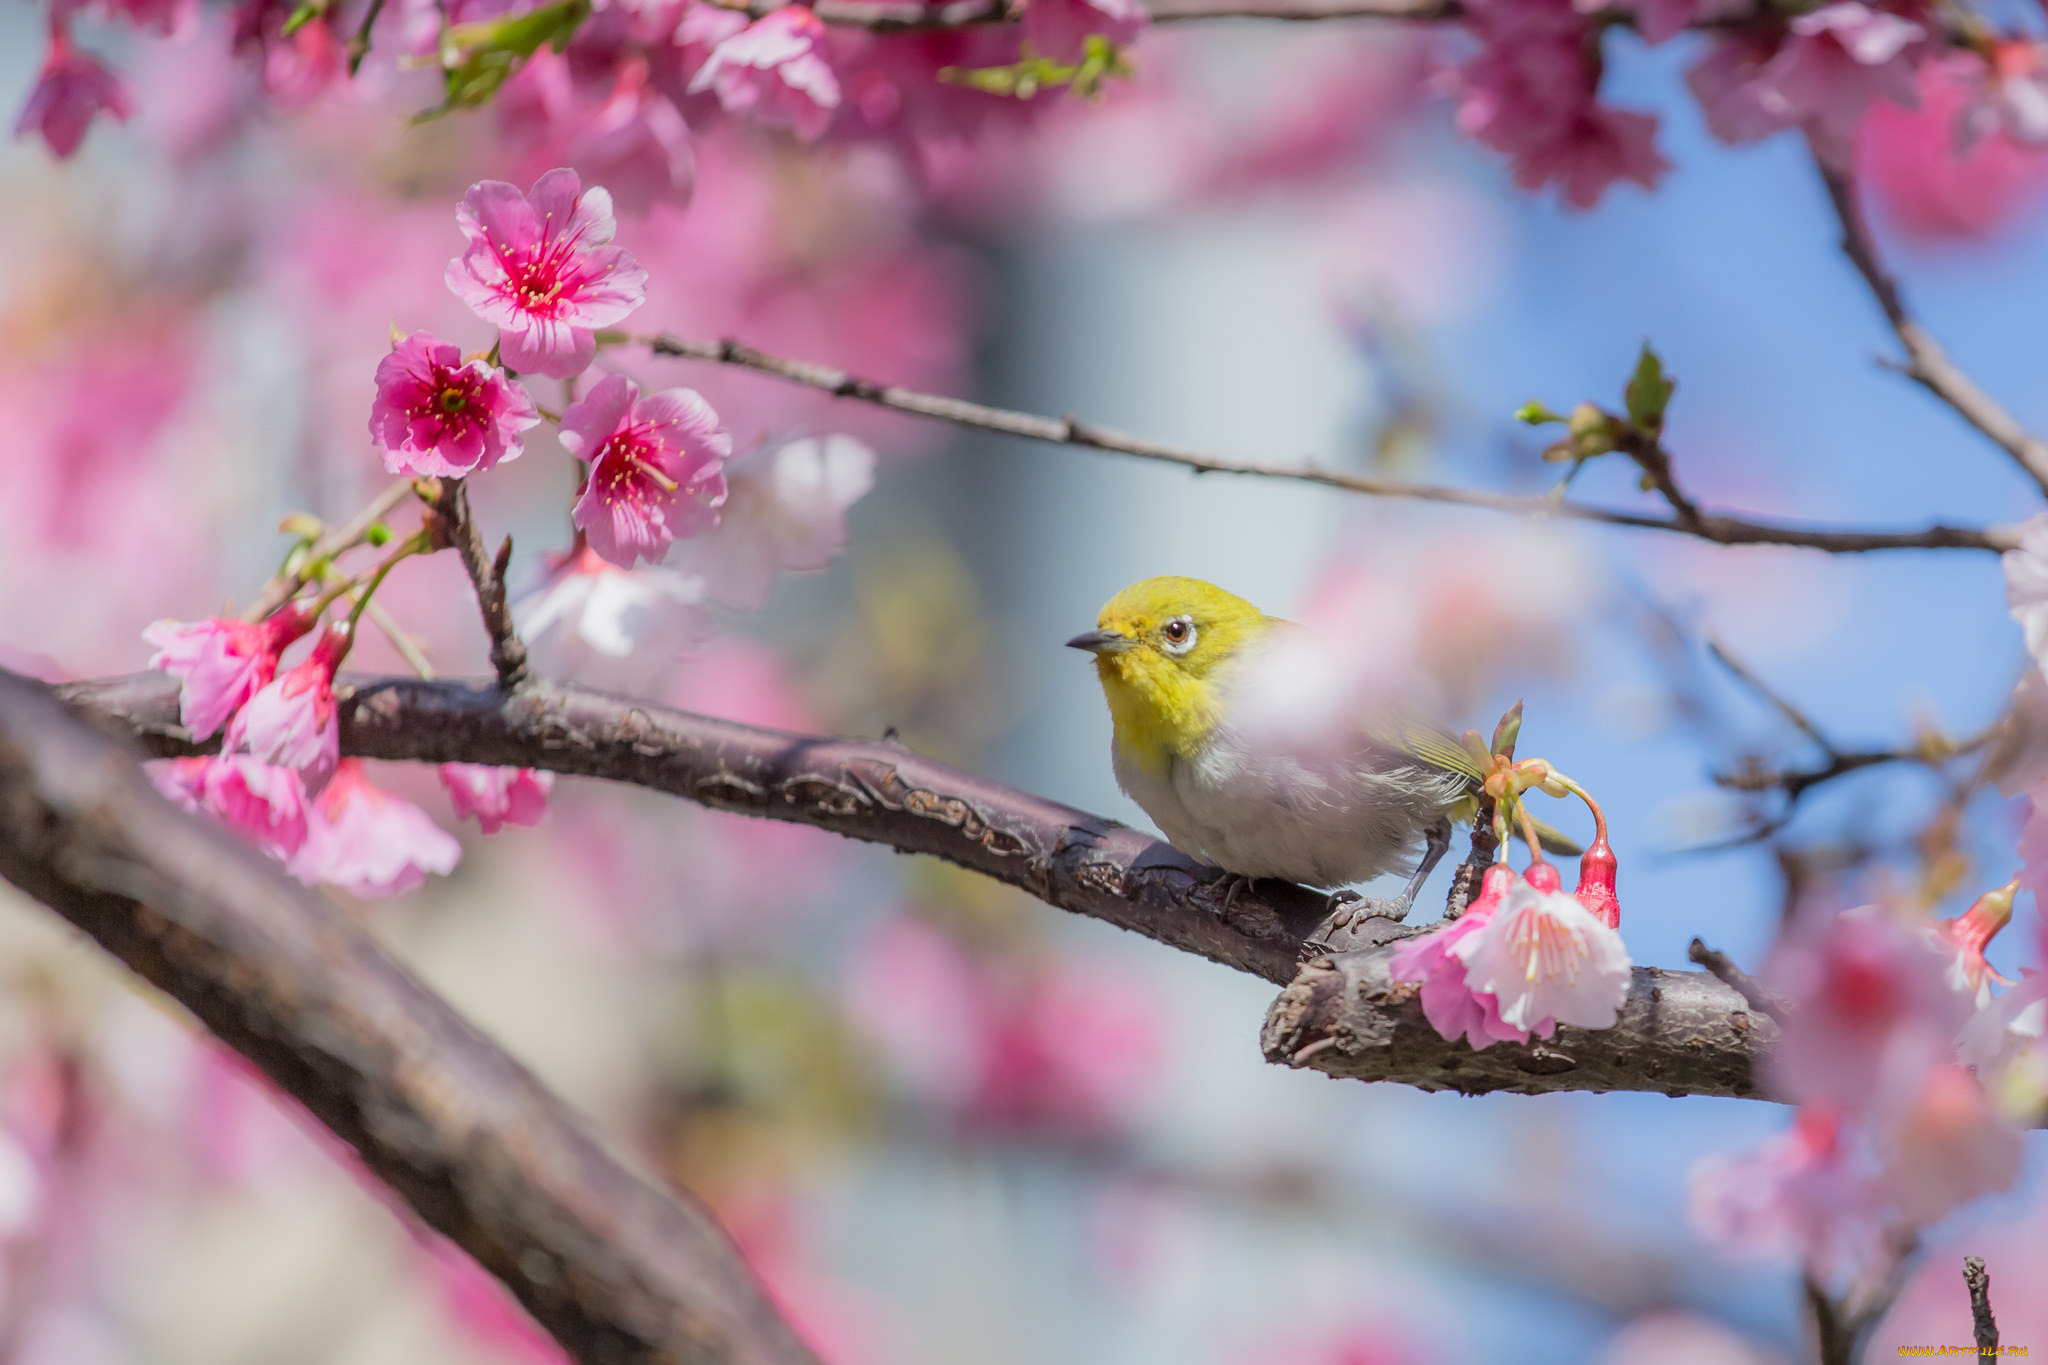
1103, 642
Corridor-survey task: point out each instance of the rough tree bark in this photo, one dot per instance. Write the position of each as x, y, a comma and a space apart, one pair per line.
619, 1271
1684, 1033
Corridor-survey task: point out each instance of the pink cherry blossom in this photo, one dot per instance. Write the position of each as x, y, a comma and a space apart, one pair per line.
436, 415
1944, 1143
776, 71
1533, 94
785, 509
72, 90
369, 842
655, 467
297, 67
540, 267
291, 721
498, 796
1060, 29
1871, 1007
221, 662
1545, 957
620, 124
264, 804
1452, 1007
1809, 1192
1829, 67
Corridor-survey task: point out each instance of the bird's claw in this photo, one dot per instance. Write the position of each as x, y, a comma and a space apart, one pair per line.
1348, 910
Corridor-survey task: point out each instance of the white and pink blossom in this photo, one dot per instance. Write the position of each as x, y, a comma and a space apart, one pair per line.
656, 468
498, 796
436, 414
1547, 959
776, 71
610, 609
221, 662
1454, 1009
541, 268
367, 841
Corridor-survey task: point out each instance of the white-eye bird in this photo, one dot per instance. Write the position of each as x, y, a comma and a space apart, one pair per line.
1178, 658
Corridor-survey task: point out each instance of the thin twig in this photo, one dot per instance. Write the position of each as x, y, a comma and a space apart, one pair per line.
1744, 985
1069, 431
508, 651
1655, 462
1927, 362
281, 589
1800, 721
359, 46
407, 647
1986, 1326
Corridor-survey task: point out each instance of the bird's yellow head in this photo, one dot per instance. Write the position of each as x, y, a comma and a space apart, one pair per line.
1160, 648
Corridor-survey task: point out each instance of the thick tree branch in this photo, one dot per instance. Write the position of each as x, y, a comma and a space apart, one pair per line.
616, 1269
879, 791
1683, 1033
1743, 984
1927, 361
1069, 431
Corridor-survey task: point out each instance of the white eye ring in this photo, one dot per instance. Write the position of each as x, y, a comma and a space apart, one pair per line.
1178, 635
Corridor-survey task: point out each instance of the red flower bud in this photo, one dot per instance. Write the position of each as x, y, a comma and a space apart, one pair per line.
1597, 866
1543, 876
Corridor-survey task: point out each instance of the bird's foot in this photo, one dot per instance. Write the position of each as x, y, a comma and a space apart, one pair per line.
1348, 910
1231, 883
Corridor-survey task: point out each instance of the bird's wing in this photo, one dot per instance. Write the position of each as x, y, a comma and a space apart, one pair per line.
1439, 748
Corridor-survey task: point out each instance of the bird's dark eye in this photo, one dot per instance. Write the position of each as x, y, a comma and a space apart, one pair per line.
1179, 634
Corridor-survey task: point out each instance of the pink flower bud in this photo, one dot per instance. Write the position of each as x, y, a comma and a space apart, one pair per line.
291, 721
1543, 876
1597, 868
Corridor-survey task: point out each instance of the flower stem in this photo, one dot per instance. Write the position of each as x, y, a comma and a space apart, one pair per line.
416, 543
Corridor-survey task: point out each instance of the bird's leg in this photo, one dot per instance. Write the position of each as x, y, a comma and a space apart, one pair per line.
1348, 909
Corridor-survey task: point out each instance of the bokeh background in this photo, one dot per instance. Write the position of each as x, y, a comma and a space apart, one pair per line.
946, 1122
